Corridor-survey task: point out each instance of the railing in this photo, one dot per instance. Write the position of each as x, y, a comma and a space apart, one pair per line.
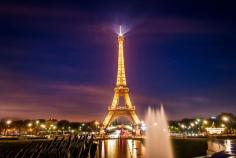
73, 146
121, 108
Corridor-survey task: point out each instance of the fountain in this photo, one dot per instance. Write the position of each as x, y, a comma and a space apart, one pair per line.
158, 143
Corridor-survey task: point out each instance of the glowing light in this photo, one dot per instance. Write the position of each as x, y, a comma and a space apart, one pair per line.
225, 118
228, 146
222, 125
29, 124
205, 122
96, 123
43, 126
143, 126
8, 122
116, 134
129, 127
192, 124
120, 31
142, 122
111, 128
37, 122
215, 130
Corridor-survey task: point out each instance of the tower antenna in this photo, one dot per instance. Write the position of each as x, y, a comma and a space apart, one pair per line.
120, 33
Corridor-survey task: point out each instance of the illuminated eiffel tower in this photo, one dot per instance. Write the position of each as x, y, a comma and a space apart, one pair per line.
121, 93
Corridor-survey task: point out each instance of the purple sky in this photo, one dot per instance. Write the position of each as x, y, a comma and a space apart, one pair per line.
58, 59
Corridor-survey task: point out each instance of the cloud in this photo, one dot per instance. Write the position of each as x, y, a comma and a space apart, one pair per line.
78, 102
32, 97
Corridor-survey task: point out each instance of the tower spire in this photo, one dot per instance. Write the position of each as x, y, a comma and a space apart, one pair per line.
120, 32
121, 79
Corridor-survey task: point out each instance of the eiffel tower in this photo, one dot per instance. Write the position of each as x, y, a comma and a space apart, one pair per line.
121, 92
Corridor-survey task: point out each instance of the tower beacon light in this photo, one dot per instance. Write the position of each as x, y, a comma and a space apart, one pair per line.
120, 31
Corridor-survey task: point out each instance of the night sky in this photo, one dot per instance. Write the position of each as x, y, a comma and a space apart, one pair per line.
58, 58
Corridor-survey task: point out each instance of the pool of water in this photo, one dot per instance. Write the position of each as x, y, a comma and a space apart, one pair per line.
128, 148
120, 148
225, 148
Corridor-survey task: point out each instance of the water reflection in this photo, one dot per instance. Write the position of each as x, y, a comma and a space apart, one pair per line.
222, 147
128, 148
230, 147
117, 148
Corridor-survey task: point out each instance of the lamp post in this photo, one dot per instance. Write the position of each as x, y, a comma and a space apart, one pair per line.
225, 119
205, 122
8, 123
37, 126
96, 125
29, 126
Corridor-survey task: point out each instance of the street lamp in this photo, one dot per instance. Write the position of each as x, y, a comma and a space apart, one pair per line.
225, 118
29, 124
36, 129
30, 129
192, 124
222, 125
8, 122
205, 122
43, 126
96, 123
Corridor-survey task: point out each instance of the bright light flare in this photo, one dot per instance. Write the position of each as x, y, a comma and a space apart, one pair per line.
43, 126
225, 118
29, 124
96, 123
8, 122
222, 125
121, 30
